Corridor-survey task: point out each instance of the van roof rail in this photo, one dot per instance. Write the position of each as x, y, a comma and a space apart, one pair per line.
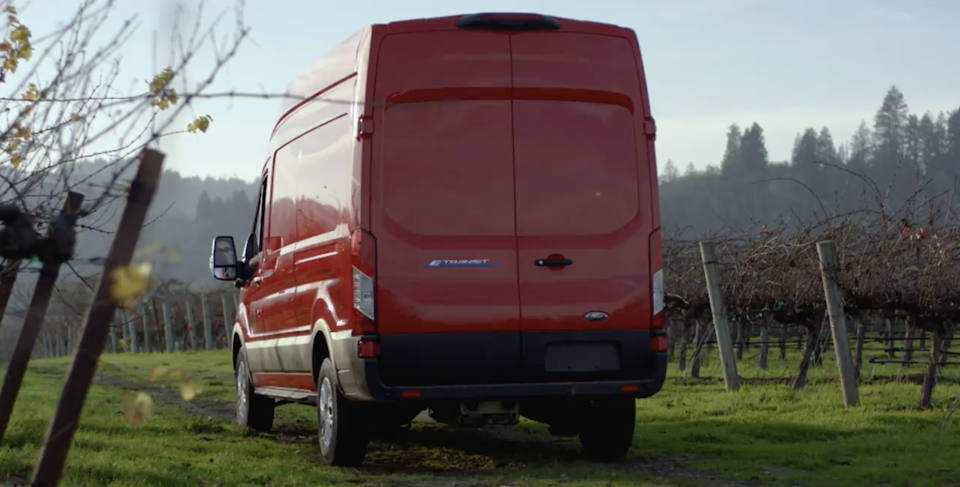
508, 21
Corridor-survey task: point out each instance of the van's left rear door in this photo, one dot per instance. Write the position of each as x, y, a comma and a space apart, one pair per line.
442, 210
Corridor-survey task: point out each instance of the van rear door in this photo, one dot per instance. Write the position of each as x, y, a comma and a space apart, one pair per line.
583, 207
442, 210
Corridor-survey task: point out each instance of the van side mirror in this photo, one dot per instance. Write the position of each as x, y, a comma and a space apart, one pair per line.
223, 259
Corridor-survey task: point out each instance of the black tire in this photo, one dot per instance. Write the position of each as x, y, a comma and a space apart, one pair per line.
608, 428
253, 411
342, 429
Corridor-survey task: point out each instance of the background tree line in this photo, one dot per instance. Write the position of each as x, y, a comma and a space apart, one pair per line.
898, 161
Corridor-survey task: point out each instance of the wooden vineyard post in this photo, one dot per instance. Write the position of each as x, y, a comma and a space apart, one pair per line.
61, 430
711, 271
830, 272
191, 325
145, 323
207, 326
131, 331
59, 345
113, 333
227, 318
167, 327
36, 313
858, 353
764, 345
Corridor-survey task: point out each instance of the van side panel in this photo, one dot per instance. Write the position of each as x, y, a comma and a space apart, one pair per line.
443, 209
322, 256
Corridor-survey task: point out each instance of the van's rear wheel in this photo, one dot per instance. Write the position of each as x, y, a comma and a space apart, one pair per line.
253, 411
606, 432
343, 432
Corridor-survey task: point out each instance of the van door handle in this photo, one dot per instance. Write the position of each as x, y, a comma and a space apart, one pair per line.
553, 262
256, 280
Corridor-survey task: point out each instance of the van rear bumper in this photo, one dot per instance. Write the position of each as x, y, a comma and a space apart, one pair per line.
377, 391
641, 372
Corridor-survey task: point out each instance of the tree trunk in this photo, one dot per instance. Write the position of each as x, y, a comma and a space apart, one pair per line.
764, 346
891, 343
740, 340
930, 377
783, 342
682, 358
823, 337
671, 341
698, 339
907, 347
858, 354
808, 349
945, 345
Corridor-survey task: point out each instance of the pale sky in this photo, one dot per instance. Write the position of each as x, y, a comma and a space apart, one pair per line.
786, 64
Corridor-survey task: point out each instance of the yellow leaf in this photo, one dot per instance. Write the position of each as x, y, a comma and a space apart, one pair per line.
26, 52
160, 81
157, 373
189, 389
10, 9
33, 92
129, 282
74, 117
123, 344
13, 145
23, 132
21, 34
202, 123
13, 19
137, 410
5, 47
16, 160
10, 63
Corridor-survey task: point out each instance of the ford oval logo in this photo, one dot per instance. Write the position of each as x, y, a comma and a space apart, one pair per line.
595, 316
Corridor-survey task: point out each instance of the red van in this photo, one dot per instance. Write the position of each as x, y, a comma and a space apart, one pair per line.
458, 215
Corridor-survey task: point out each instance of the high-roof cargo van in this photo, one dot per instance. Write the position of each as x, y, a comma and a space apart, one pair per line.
457, 215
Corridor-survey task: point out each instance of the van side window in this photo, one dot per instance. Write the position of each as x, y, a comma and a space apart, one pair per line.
258, 217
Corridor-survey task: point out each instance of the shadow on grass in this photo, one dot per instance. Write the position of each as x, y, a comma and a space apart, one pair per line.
696, 451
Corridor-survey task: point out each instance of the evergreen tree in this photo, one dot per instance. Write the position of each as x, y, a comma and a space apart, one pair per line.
731, 157
753, 150
861, 146
826, 152
890, 126
670, 172
205, 209
931, 143
805, 147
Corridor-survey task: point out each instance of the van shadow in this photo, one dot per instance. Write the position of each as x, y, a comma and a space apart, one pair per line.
429, 448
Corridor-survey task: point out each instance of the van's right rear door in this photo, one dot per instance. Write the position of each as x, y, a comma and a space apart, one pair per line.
583, 212
442, 210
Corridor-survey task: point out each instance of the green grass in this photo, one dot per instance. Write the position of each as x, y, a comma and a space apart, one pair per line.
691, 434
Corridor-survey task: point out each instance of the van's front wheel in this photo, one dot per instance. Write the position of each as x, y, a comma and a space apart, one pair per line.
606, 431
343, 432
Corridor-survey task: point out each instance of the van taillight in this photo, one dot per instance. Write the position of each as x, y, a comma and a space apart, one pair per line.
656, 285
364, 257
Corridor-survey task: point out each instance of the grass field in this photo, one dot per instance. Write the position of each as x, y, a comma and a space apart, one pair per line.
691, 434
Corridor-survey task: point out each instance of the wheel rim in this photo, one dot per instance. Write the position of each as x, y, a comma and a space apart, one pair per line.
242, 391
325, 407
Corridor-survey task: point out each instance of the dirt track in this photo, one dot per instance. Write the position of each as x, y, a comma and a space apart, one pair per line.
408, 452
